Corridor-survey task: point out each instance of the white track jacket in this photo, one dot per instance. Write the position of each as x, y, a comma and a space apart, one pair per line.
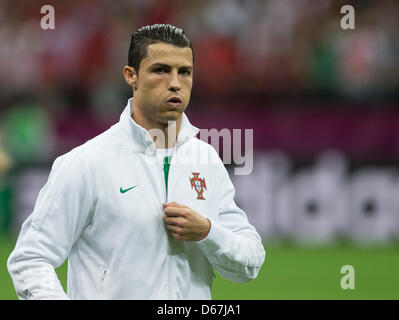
102, 209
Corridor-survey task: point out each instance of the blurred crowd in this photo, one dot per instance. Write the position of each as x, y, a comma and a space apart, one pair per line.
242, 47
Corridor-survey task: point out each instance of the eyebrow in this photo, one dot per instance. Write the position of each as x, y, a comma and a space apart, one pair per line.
163, 65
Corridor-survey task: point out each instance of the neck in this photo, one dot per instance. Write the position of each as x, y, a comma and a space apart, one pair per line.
164, 135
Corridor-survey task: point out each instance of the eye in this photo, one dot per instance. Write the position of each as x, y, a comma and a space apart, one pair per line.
185, 72
160, 70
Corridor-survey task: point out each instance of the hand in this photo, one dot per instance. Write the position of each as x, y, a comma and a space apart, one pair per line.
184, 223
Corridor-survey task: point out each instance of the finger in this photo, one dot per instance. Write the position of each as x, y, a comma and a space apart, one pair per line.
173, 221
177, 236
174, 229
174, 211
174, 204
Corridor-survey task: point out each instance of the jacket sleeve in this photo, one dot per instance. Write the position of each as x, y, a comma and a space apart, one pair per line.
232, 246
47, 236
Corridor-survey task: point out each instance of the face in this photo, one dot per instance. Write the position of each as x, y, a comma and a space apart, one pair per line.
163, 85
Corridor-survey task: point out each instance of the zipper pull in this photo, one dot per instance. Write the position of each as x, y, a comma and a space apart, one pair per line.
104, 274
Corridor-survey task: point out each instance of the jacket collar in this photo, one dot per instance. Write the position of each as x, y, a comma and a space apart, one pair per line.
140, 136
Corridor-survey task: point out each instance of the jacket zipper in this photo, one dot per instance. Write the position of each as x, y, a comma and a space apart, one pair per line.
171, 264
164, 187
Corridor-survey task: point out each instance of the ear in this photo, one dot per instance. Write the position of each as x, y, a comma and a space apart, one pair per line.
130, 75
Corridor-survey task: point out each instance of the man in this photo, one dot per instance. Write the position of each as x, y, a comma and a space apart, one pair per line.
138, 215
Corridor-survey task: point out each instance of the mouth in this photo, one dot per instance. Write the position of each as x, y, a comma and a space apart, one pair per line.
174, 101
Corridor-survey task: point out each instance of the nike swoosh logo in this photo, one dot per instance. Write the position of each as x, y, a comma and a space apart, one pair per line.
125, 190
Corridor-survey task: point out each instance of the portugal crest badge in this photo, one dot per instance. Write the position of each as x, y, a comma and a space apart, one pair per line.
198, 184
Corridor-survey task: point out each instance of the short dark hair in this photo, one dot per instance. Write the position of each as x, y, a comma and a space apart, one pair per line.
156, 33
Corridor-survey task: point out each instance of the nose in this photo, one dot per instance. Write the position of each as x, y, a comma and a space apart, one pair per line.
174, 84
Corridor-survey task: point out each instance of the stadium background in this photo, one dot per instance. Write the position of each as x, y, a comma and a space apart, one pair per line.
322, 101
